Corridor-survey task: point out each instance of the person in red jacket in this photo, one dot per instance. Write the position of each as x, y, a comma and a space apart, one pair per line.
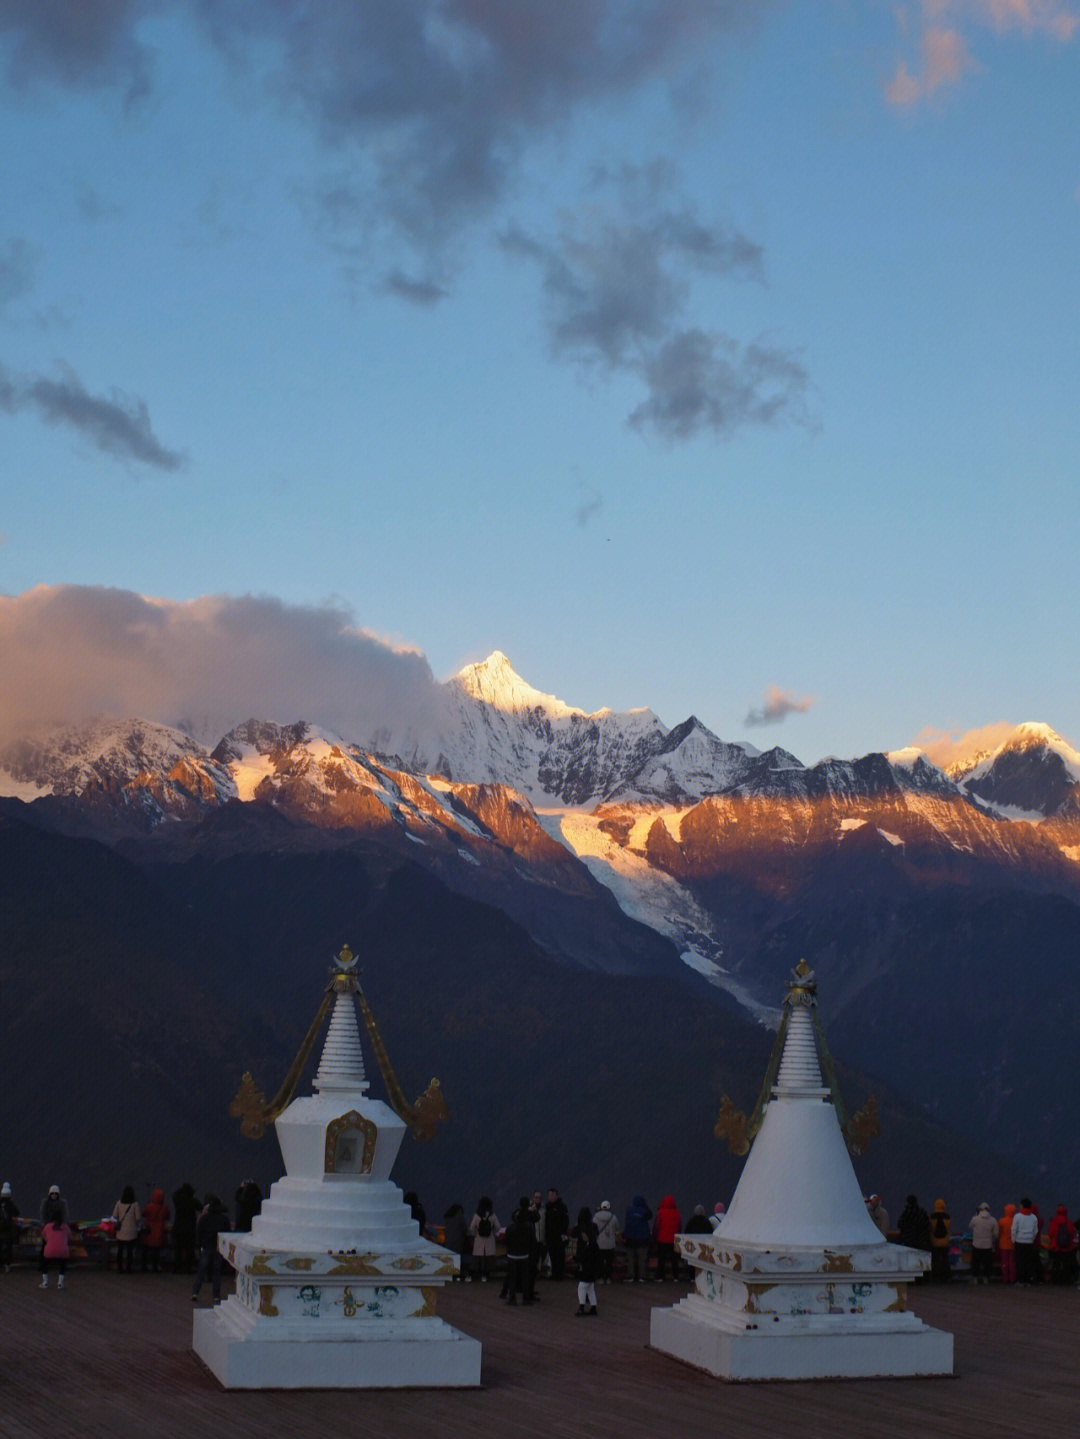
666, 1225
155, 1217
1062, 1235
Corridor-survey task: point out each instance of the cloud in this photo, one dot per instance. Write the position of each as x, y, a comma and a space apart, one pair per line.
589, 506
699, 382
118, 425
945, 59
84, 43
947, 747
778, 704
71, 652
418, 292
944, 27
616, 282
16, 270
433, 101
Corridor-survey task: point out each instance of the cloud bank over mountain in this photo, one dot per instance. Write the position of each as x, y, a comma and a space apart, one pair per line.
73, 651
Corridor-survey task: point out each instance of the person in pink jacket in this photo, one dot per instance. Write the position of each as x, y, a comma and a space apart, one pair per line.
55, 1249
666, 1225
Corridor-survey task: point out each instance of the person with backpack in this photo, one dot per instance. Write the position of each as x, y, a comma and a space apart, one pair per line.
1062, 1235
940, 1231
606, 1231
483, 1227
984, 1234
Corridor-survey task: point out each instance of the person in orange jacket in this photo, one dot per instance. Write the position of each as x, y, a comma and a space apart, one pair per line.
1006, 1252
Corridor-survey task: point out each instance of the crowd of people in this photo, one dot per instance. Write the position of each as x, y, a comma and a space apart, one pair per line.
137, 1232
1015, 1246
539, 1239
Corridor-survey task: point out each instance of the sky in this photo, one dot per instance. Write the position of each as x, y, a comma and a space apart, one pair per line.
716, 356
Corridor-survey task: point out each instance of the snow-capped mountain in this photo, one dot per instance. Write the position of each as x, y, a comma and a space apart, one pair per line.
151, 768
1033, 774
496, 727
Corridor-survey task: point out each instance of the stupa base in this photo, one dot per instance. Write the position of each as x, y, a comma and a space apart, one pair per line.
244, 1352
760, 1355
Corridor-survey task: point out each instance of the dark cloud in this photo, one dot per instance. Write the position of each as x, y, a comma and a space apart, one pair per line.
16, 270
617, 281
778, 704
73, 651
433, 99
77, 42
118, 425
417, 292
698, 381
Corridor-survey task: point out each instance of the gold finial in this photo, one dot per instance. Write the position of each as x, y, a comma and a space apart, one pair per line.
343, 968
803, 987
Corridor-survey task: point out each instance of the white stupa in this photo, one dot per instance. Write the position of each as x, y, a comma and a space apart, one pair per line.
797, 1282
335, 1287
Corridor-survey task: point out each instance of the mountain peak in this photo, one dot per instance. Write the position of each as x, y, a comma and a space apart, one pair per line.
497, 683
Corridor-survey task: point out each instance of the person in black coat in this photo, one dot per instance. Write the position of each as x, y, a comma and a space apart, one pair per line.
185, 1217
519, 1239
556, 1228
587, 1259
248, 1204
213, 1220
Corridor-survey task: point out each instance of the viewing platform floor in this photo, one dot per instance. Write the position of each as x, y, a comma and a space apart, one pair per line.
111, 1355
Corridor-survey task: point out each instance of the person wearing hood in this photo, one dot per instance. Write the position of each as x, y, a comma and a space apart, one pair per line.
940, 1231
1006, 1248
914, 1225
984, 1233
8, 1215
878, 1213
155, 1220
213, 1220
1025, 1235
666, 1225
1062, 1235
637, 1231
606, 1230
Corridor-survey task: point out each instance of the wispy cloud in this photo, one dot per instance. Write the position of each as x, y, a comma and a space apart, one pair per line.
944, 31
617, 282
118, 424
776, 706
947, 747
17, 259
73, 651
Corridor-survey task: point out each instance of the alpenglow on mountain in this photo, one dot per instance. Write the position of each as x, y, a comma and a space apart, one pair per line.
590, 850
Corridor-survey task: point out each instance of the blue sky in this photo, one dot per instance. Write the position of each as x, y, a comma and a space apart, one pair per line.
678, 350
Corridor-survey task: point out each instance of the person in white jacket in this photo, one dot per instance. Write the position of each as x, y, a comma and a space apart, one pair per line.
1025, 1236
606, 1230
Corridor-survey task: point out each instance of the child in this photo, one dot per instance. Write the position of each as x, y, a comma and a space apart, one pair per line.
55, 1249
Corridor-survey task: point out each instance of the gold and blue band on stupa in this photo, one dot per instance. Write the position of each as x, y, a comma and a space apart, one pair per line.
255, 1112
733, 1125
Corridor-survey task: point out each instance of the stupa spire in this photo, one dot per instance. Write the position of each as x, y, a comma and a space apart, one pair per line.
800, 1067
342, 1063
